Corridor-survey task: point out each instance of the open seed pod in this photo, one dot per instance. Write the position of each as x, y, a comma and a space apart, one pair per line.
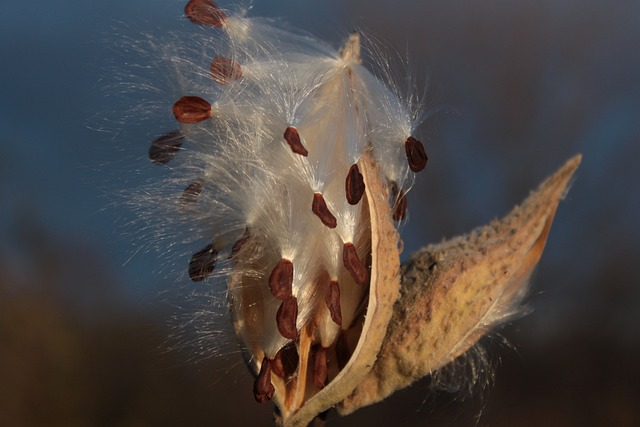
301, 385
293, 160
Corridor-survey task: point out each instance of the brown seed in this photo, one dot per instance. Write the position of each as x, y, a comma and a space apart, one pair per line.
320, 367
353, 264
399, 202
286, 318
203, 263
191, 193
285, 363
354, 185
332, 299
262, 388
191, 109
319, 207
164, 148
292, 136
240, 242
416, 156
281, 279
204, 12
224, 70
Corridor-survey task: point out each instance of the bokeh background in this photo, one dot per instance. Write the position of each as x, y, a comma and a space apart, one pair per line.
86, 313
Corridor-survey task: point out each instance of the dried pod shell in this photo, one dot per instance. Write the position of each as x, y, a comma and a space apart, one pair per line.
456, 291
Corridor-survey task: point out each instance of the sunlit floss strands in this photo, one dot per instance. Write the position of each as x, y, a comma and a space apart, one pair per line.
294, 161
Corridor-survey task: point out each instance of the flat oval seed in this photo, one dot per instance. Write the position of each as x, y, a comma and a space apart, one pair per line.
224, 70
353, 264
332, 299
164, 148
319, 207
292, 137
281, 279
399, 202
203, 263
262, 388
354, 185
240, 243
320, 367
191, 109
286, 318
191, 193
204, 12
285, 363
416, 156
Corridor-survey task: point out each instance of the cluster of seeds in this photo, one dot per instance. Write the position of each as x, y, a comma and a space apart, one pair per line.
276, 147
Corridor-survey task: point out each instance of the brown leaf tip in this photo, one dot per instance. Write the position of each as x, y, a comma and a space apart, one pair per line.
281, 279
292, 137
320, 208
191, 109
354, 185
263, 389
224, 70
204, 12
203, 263
164, 148
416, 156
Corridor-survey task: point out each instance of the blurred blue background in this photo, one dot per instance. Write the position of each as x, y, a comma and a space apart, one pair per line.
522, 86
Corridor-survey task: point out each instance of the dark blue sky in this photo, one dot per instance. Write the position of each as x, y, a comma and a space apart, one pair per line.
524, 85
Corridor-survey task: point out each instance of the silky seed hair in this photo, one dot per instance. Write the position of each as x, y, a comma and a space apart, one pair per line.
264, 172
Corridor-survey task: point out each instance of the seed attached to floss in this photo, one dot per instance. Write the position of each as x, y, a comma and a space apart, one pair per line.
354, 185
164, 148
203, 263
292, 137
191, 193
224, 70
191, 109
237, 246
320, 367
320, 208
416, 156
399, 202
353, 264
286, 318
204, 12
262, 388
281, 279
332, 299
285, 363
